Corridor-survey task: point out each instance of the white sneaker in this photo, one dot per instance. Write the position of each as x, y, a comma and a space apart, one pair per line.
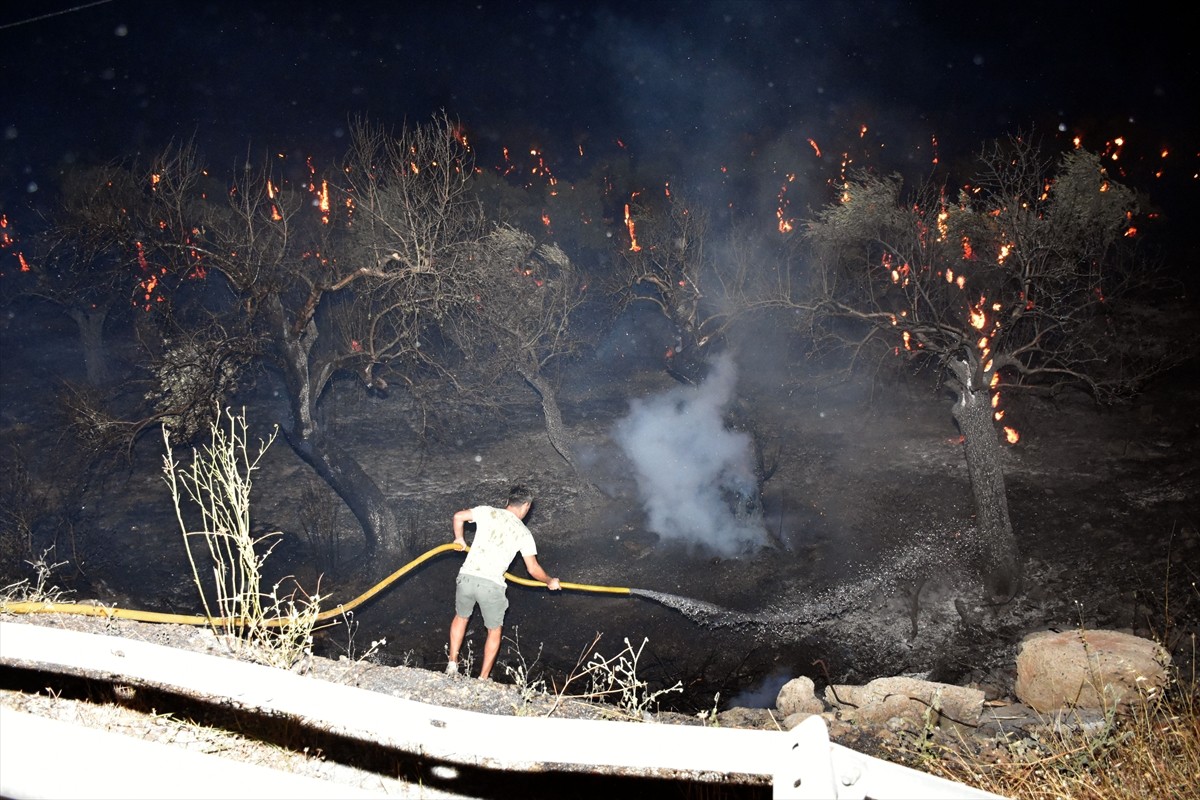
451, 667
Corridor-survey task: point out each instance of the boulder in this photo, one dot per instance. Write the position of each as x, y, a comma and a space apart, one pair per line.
911, 699
1088, 669
798, 696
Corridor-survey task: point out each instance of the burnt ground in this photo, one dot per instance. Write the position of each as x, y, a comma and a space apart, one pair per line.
867, 510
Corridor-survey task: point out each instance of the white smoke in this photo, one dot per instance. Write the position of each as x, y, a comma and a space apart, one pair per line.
694, 475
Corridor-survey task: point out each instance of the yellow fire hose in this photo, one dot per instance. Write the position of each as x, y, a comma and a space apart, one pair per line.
83, 609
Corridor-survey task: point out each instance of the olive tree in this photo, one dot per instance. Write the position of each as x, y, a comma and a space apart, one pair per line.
1022, 280
521, 323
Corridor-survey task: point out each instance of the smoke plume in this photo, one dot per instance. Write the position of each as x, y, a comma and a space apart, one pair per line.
695, 476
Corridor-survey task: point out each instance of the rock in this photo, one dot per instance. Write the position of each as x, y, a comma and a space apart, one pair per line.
910, 699
1088, 669
798, 696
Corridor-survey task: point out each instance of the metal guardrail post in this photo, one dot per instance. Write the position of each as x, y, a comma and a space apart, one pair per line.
806, 773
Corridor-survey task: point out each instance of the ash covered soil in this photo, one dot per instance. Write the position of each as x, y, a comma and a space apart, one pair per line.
861, 574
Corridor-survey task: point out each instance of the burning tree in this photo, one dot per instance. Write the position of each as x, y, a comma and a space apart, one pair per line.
353, 275
85, 260
372, 272
1023, 281
667, 263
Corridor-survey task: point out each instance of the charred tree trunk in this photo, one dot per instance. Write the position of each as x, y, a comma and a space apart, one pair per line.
91, 336
556, 431
996, 546
336, 467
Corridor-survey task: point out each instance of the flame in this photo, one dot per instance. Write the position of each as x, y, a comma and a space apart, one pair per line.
323, 201
978, 317
1011, 435
785, 225
942, 216
633, 242
815, 147
271, 192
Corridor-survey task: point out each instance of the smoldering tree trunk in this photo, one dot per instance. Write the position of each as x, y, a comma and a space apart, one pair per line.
91, 336
338, 468
996, 546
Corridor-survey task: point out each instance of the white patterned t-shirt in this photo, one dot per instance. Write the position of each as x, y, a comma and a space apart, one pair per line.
499, 536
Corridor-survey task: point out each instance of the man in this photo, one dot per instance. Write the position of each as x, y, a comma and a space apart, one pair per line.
499, 535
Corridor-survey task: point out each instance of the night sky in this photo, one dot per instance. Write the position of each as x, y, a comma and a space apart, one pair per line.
688, 85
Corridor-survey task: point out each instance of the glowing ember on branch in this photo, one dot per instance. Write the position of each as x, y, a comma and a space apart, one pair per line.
7, 240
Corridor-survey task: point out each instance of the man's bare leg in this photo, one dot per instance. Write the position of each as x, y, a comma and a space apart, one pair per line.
491, 647
458, 631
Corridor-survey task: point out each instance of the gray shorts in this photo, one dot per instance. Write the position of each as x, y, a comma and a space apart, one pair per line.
491, 597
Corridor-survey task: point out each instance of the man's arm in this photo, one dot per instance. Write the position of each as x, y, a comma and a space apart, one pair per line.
535, 569
460, 519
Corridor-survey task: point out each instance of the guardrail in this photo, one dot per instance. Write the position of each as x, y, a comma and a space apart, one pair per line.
801, 763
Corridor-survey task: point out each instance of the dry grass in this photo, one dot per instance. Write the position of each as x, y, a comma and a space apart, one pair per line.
1151, 751
275, 627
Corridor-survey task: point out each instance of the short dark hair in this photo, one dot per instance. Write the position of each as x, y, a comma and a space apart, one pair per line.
519, 495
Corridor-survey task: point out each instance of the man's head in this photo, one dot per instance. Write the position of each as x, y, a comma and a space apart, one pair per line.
520, 498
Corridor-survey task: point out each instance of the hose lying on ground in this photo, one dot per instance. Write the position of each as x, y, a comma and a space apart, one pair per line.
88, 610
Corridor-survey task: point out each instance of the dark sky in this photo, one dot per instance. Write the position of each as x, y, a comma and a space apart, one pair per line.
697, 84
